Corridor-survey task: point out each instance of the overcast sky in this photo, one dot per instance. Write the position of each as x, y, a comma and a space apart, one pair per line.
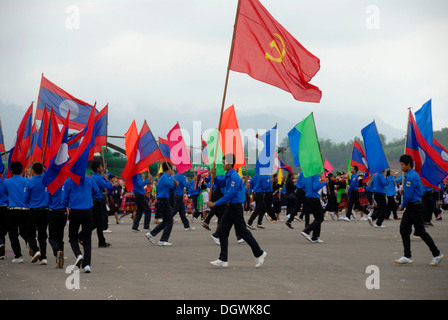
165, 61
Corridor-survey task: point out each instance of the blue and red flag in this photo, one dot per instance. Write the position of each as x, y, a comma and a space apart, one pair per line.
33, 146
101, 129
427, 161
52, 135
20, 151
280, 165
78, 164
56, 173
165, 148
374, 149
38, 142
144, 152
359, 158
61, 101
2, 148
204, 151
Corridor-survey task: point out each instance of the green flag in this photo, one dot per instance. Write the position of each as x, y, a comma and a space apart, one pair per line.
211, 147
303, 141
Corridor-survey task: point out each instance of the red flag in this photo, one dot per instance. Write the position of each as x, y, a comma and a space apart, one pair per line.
269, 53
231, 141
178, 150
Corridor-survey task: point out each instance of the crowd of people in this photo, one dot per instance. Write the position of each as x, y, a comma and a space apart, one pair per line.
29, 211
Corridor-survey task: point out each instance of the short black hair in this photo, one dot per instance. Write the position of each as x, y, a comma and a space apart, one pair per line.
95, 165
37, 167
356, 168
229, 159
407, 159
16, 167
166, 166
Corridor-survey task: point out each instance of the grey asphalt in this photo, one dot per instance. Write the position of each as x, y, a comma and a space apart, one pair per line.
294, 269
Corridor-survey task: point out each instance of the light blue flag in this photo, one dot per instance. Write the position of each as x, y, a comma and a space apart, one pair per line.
265, 161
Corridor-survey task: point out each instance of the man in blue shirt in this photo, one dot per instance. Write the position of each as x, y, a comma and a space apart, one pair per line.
234, 197
37, 198
413, 214
57, 220
262, 186
17, 213
3, 216
353, 195
139, 181
379, 184
391, 193
179, 193
99, 210
79, 201
164, 186
312, 197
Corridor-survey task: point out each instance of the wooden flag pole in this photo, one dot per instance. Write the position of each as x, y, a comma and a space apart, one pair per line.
225, 93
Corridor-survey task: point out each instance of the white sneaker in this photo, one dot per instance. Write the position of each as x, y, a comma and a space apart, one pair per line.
260, 260
35, 257
17, 260
436, 260
369, 219
219, 263
346, 219
377, 226
189, 228
240, 241
317, 241
43, 262
150, 237
307, 236
216, 240
363, 219
164, 243
107, 231
79, 261
403, 260
87, 269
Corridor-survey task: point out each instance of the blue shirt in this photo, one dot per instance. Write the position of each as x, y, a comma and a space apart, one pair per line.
180, 189
353, 186
139, 184
56, 200
102, 183
15, 188
390, 188
412, 188
79, 197
234, 188
255, 183
36, 193
312, 186
379, 183
3, 196
299, 183
164, 186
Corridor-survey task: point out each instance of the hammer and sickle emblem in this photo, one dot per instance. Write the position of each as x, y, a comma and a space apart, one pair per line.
281, 54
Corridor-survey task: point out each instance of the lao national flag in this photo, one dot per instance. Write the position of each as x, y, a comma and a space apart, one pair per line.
374, 149
204, 151
359, 158
35, 153
56, 173
427, 162
280, 165
179, 154
145, 151
61, 101
266, 158
52, 136
78, 164
38, 138
20, 149
165, 148
101, 129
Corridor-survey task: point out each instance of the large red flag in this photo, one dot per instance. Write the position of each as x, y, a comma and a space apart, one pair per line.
231, 141
178, 150
269, 53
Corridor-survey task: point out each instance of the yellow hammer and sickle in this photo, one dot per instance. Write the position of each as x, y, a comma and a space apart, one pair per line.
282, 53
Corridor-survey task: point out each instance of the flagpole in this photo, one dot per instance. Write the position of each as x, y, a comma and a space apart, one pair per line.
225, 91
40, 89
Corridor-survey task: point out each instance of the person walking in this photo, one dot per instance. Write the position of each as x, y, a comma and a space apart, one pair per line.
140, 182
391, 192
179, 193
234, 197
353, 195
413, 214
379, 184
312, 197
57, 220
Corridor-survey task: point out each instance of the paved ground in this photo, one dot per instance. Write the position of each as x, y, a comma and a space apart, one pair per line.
132, 269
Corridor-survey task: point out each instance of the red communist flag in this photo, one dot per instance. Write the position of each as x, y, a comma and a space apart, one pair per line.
269, 53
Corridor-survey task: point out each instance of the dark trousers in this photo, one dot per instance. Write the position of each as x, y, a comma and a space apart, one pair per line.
142, 206
300, 199
179, 207
391, 207
259, 208
98, 212
57, 220
413, 216
318, 213
81, 219
37, 222
16, 226
353, 201
233, 216
163, 205
380, 213
3, 224
291, 207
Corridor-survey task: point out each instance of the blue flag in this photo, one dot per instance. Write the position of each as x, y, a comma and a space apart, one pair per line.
374, 149
265, 161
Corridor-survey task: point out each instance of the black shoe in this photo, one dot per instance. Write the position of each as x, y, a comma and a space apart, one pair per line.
104, 245
289, 225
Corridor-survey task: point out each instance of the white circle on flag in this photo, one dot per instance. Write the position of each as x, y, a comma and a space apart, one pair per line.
62, 156
67, 105
422, 155
444, 155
